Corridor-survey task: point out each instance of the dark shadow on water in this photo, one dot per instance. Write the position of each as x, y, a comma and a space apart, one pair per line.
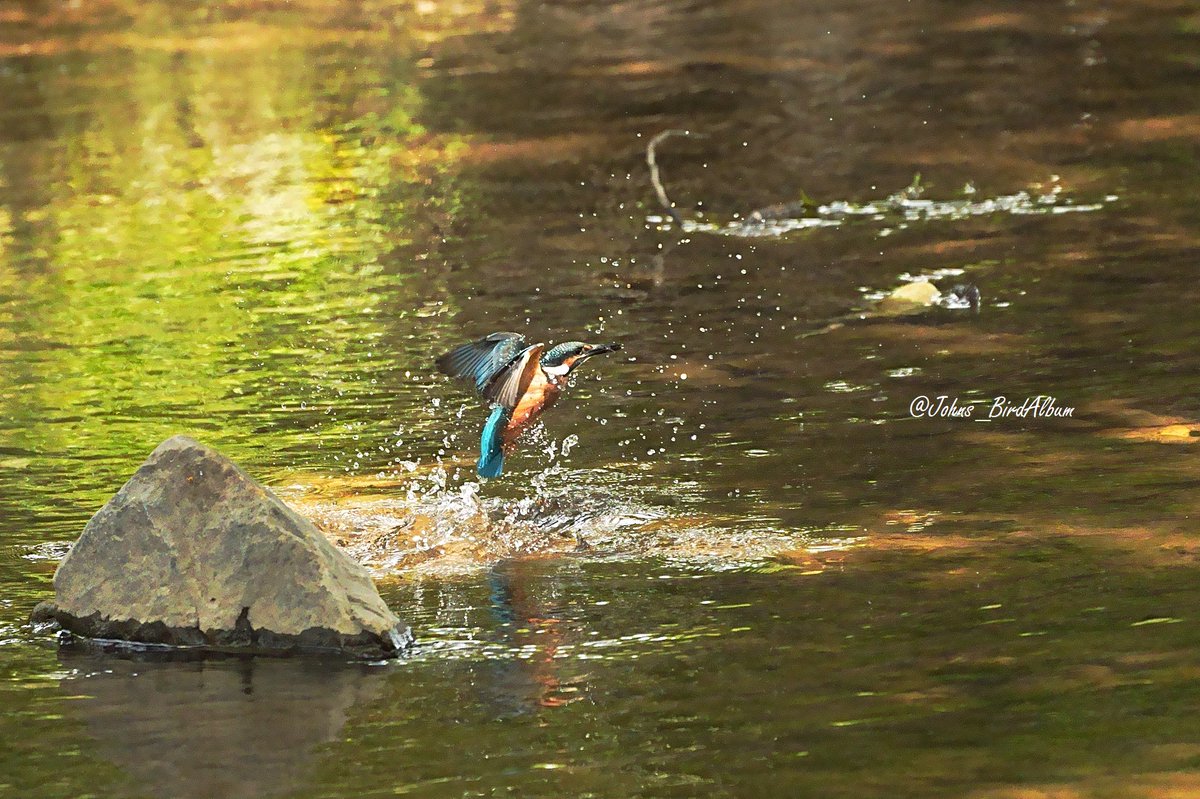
227, 727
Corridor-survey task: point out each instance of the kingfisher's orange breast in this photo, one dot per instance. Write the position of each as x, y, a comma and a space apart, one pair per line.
540, 395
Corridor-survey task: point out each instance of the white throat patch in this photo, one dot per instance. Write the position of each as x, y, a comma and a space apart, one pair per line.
556, 371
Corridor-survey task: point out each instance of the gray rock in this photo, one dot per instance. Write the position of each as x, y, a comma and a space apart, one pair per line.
194, 552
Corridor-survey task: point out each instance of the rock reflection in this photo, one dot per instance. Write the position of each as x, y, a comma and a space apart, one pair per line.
224, 727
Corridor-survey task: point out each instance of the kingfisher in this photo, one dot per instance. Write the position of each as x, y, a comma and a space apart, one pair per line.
518, 380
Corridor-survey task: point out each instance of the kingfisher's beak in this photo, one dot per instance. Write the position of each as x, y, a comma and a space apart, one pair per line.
592, 349
598, 349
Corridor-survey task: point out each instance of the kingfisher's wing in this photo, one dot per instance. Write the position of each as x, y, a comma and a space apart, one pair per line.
482, 360
507, 387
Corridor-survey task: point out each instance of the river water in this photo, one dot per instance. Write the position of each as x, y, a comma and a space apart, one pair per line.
733, 563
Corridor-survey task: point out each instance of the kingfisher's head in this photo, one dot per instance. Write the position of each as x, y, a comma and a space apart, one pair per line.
562, 358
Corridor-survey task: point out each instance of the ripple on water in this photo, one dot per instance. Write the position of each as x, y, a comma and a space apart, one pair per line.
896, 212
47, 551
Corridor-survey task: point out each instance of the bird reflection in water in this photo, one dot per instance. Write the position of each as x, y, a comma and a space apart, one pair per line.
531, 624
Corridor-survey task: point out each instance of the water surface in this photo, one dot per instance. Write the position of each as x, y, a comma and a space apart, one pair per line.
732, 563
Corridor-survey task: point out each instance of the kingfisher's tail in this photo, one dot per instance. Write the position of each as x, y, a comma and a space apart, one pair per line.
491, 443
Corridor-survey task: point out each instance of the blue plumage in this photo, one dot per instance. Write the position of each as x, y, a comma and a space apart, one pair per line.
480, 361
503, 369
491, 443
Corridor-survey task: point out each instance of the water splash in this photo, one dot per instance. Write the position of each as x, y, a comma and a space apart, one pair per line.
431, 521
899, 211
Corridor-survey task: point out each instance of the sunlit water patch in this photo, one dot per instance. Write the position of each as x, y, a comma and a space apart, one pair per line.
426, 523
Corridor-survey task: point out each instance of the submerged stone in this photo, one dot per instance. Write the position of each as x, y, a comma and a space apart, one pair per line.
909, 297
192, 551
